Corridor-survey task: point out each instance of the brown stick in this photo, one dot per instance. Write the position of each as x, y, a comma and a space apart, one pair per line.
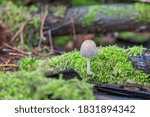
51, 42
21, 40
43, 18
8, 65
16, 50
8, 61
16, 54
73, 29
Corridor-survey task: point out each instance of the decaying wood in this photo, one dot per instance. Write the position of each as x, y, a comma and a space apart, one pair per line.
142, 62
108, 18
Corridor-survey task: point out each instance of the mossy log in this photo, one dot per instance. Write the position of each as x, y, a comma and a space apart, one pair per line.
103, 18
134, 37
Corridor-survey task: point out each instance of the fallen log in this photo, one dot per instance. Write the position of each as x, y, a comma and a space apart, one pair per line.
102, 18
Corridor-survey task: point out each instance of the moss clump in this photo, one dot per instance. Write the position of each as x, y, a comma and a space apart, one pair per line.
33, 85
29, 64
134, 50
110, 66
61, 89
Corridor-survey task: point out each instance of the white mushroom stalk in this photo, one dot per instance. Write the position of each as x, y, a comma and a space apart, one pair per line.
89, 72
88, 49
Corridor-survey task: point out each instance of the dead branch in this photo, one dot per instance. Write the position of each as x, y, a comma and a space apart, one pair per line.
43, 18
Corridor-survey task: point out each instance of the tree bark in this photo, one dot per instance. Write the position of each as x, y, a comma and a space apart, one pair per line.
102, 18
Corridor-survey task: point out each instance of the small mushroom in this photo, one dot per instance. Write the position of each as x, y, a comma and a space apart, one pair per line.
88, 49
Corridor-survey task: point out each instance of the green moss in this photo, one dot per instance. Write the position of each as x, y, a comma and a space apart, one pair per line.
24, 85
14, 22
134, 51
62, 89
8, 17
58, 11
29, 64
84, 2
62, 40
134, 37
106, 10
137, 11
110, 66
143, 11
90, 16
3, 2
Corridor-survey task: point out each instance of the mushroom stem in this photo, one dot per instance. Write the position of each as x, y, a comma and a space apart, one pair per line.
89, 72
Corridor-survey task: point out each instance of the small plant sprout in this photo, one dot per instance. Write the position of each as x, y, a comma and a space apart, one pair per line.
88, 49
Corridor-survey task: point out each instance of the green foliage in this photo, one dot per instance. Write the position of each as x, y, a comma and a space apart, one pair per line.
10, 16
110, 66
14, 17
3, 2
32, 85
17, 2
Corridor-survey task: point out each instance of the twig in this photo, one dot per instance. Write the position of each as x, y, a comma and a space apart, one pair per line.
73, 29
16, 50
16, 54
8, 61
51, 42
42, 38
8, 65
21, 40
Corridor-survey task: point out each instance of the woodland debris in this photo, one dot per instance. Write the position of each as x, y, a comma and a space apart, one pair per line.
16, 50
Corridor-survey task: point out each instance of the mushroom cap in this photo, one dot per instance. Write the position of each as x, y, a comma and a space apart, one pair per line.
88, 49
